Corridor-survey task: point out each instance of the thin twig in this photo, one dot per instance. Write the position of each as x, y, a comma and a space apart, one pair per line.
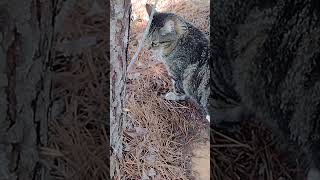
141, 44
231, 139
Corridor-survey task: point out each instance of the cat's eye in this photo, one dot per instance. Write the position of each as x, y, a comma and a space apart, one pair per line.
153, 44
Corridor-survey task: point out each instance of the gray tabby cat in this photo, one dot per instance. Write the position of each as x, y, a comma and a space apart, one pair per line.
184, 49
266, 62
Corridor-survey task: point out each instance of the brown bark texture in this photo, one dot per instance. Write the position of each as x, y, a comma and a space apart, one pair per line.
25, 86
119, 32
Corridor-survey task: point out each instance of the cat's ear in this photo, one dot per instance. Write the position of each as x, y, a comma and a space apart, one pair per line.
149, 9
169, 26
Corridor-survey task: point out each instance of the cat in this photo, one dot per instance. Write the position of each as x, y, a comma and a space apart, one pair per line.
265, 62
184, 50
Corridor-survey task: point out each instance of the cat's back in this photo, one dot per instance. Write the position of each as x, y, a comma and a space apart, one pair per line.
271, 53
192, 43
277, 65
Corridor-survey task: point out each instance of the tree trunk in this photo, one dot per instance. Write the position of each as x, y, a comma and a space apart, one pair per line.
26, 34
119, 23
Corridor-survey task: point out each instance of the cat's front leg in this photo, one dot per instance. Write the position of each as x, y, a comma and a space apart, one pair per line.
172, 96
177, 94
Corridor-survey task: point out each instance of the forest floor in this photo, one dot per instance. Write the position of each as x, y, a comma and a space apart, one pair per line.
170, 140
78, 144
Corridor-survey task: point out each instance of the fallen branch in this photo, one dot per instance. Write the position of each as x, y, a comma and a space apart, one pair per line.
141, 44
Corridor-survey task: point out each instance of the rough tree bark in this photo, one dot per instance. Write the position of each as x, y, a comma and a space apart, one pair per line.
26, 30
119, 32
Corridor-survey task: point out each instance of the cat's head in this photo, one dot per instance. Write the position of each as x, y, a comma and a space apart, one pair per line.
165, 29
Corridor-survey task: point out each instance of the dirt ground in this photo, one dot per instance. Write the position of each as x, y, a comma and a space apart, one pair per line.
201, 161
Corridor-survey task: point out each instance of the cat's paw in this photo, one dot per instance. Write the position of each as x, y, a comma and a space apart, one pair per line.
313, 174
171, 96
